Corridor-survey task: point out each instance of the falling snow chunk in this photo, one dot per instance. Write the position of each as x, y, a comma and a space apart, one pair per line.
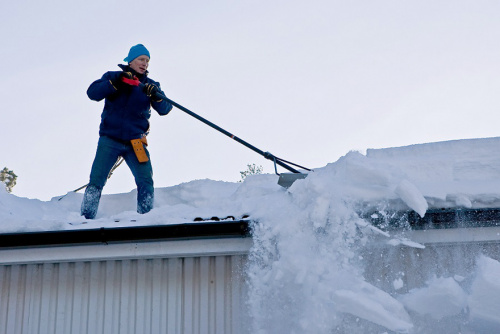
397, 284
410, 194
374, 305
405, 242
484, 300
443, 297
463, 201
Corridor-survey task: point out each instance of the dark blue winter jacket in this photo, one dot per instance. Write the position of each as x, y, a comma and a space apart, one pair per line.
126, 108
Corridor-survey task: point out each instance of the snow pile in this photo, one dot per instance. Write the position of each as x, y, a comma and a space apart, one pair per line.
306, 271
442, 297
463, 173
484, 300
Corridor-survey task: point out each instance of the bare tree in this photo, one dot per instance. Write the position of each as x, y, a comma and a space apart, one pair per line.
251, 170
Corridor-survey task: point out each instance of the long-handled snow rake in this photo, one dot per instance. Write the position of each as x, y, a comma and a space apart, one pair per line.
285, 179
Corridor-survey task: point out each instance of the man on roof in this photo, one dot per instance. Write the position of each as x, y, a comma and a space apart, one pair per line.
128, 97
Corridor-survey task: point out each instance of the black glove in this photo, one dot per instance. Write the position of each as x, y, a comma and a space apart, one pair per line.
118, 83
127, 75
151, 90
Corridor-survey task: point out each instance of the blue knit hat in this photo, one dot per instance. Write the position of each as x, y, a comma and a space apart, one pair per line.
136, 51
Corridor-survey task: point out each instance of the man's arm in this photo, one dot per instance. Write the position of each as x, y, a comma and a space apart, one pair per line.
103, 87
161, 106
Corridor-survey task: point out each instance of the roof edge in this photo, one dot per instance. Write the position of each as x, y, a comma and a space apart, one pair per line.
105, 235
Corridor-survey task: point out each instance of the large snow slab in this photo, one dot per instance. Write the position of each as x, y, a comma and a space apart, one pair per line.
484, 300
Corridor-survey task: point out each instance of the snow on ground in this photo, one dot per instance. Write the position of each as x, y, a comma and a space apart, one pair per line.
306, 272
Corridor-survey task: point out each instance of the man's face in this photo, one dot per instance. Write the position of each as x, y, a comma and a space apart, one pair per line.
140, 64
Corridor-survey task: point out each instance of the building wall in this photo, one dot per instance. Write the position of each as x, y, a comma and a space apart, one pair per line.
203, 294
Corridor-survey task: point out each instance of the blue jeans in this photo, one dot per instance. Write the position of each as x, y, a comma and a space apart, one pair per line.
108, 152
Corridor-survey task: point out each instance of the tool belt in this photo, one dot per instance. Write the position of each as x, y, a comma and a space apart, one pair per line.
138, 145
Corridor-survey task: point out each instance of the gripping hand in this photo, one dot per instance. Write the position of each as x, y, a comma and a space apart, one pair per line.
129, 79
127, 75
151, 90
123, 80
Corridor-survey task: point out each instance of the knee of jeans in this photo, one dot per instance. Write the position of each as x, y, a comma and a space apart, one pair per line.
98, 179
144, 182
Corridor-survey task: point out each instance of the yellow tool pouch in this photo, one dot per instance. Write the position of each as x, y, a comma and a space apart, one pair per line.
138, 145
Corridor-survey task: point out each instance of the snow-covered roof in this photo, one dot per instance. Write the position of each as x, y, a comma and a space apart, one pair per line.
190, 231
453, 174
311, 242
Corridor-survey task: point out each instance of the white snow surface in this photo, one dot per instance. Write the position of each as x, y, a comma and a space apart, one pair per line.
441, 297
305, 270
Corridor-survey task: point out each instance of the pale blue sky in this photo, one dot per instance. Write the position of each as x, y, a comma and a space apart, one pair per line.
305, 80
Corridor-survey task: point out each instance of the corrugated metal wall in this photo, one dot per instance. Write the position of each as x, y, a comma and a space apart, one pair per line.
174, 295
